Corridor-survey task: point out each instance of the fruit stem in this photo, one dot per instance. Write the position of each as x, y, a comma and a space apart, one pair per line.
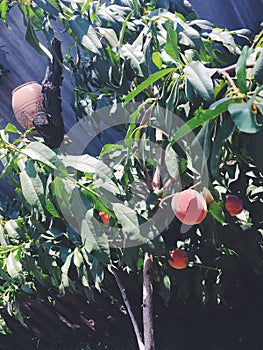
207, 267
164, 199
195, 185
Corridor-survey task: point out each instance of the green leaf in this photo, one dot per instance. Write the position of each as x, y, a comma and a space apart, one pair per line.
85, 33
3, 240
189, 37
172, 162
152, 79
110, 149
243, 117
201, 117
224, 132
3, 10
165, 288
50, 7
202, 141
258, 69
77, 257
13, 265
157, 60
85, 6
12, 228
241, 69
65, 280
89, 164
38, 151
62, 190
172, 100
130, 258
89, 231
12, 128
31, 184
216, 210
51, 208
4, 330
97, 274
111, 37
134, 55
198, 77
128, 220
35, 43
171, 46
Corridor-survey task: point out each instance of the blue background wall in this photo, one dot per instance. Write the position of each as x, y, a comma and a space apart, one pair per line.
231, 14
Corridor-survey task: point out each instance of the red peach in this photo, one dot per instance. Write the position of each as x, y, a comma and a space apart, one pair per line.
233, 204
105, 217
179, 259
189, 207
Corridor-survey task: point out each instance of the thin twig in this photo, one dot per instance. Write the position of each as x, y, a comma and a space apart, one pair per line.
206, 267
232, 68
148, 179
128, 307
168, 183
257, 40
156, 181
147, 115
230, 80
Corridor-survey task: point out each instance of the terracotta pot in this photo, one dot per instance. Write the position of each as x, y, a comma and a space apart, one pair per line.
27, 100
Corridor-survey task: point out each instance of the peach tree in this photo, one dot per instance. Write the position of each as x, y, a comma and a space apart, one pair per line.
185, 100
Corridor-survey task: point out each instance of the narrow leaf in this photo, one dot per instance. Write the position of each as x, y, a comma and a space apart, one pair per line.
171, 46
157, 60
224, 132
13, 265
35, 43
31, 184
241, 69
85, 33
152, 79
201, 117
38, 151
171, 162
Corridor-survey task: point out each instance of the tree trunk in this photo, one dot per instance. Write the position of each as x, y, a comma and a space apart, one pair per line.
148, 302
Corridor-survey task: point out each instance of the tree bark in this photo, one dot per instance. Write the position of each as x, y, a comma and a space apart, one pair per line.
148, 302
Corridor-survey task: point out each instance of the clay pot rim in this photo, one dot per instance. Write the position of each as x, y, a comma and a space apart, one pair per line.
22, 85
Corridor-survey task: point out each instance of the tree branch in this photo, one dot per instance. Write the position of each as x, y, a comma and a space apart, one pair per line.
257, 40
226, 75
128, 307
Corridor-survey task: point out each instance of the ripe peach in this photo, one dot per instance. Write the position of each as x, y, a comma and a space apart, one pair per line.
233, 204
179, 259
189, 207
105, 217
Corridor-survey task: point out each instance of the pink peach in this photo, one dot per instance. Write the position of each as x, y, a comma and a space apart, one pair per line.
189, 207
